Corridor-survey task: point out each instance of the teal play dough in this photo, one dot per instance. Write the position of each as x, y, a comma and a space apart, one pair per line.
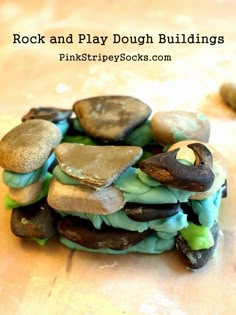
146, 179
63, 125
156, 195
130, 183
207, 209
16, 180
150, 245
119, 219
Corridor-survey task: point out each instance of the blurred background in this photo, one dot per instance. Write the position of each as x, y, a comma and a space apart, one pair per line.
32, 75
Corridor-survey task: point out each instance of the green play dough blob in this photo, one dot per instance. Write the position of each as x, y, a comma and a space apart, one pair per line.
40, 241
16, 180
129, 182
63, 178
79, 139
197, 236
140, 136
150, 245
9, 203
146, 179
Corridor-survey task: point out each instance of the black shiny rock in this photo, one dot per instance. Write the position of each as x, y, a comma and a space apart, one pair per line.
82, 231
37, 220
196, 259
225, 190
145, 213
192, 216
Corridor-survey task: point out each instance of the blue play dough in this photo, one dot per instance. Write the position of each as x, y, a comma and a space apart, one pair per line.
207, 209
16, 180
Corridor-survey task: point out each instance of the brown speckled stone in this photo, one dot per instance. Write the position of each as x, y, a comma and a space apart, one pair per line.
110, 118
96, 166
27, 146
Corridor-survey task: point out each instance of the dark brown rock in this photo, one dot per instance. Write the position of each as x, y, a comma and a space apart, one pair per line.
82, 232
36, 220
166, 169
145, 213
110, 118
196, 259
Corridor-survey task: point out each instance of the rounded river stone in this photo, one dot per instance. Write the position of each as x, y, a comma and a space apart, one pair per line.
169, 127
27, 146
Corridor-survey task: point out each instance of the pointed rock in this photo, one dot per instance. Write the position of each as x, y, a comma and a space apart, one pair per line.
110, 118
96, 166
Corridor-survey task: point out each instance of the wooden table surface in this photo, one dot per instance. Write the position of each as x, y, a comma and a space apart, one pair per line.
53, 280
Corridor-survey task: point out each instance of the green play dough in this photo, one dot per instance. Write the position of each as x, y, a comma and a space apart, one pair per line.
63, 178
141, 136
82, 139
129, 182
146, 179
150, 245
197, 236
9, 203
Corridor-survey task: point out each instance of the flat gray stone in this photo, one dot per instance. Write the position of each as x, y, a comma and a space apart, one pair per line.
110, 118
27, 146
96, 166
85, 199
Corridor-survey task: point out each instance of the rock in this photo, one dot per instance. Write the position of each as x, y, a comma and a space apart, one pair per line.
54, 114
36, 220
26, 194
83, 232
96, 166
166, 169
85, 199
145, 213
228, 94
27, 147
169, 127
196, 259
111, 118
219, 168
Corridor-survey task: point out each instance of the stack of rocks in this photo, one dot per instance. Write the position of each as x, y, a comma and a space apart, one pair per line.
122, 181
